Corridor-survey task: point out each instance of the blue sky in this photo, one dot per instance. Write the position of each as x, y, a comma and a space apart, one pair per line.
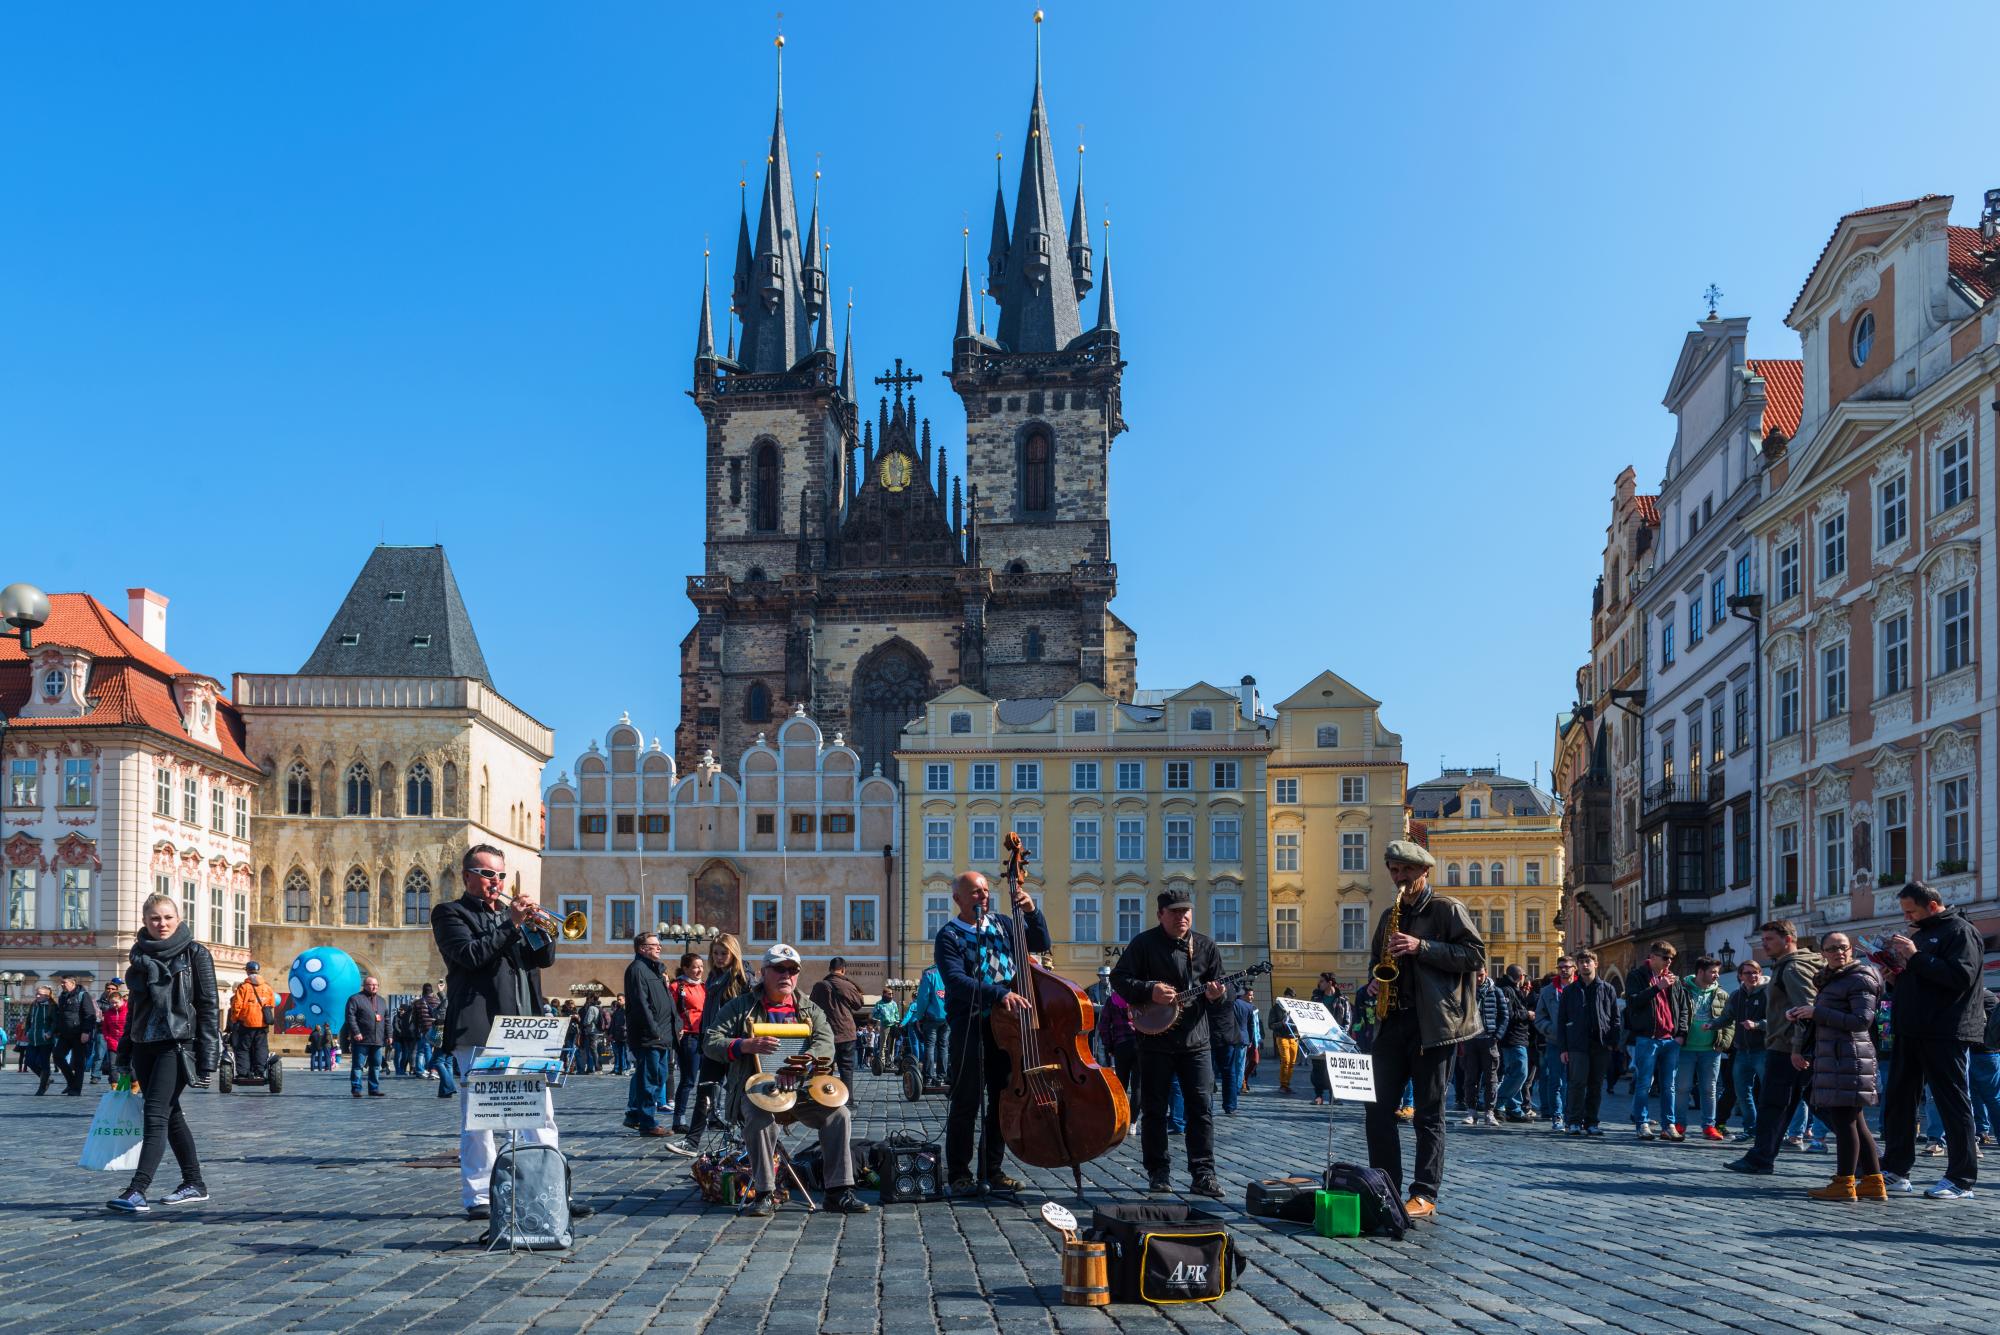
1400, 290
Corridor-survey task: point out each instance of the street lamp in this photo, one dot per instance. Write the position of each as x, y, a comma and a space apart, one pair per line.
687, 933
1727, 954
26, 609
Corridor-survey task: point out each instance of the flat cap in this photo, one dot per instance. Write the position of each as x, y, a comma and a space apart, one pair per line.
1405, 850
1174, 898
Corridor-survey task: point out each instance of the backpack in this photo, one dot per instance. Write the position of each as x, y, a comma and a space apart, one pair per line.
1165, 1253
528, 1198
247, 1009
1382, 1212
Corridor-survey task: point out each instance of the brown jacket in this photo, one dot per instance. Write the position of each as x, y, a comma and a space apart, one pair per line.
837, 995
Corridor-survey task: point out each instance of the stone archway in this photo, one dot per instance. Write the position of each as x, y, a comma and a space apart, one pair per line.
890, 687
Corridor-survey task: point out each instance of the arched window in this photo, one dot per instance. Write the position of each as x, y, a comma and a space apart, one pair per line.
1032, 650
298, 896
1451, 874
360, 791
355, 893
1475, 874
1327, 735
764, 489
298, 790
417, 790
1499, 873
416, 898
757, 703
451, 807
1038, 472
1475, 809
1017, 567
1201, 720
385, 784
485, 799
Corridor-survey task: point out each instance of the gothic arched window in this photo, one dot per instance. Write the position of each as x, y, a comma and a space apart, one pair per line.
757, 703
1033, 649
417, 790
298, 896
764, 489
298, 790
360, 791
1038, 472
354, 892
416, 898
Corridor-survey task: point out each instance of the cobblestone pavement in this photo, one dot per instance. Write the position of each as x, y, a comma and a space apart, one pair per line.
319, 1222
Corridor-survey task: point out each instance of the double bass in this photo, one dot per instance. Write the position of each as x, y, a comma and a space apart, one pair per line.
1060, 1107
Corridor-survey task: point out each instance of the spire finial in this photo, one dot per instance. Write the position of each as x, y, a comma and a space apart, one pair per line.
779, 43
1038, 50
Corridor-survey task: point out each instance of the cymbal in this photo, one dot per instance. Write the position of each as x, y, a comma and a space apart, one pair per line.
763, 1091
827, 1091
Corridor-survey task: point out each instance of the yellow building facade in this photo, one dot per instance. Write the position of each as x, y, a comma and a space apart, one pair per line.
1336, 800
1116, 803
1498, 844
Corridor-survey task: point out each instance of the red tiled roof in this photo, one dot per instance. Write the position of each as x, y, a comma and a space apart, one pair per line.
1784, 393
1961, 243
1649, 509
1857, 213
131, 682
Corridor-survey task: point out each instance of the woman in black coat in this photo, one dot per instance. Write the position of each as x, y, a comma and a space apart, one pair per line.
1843, 1068
172, 1040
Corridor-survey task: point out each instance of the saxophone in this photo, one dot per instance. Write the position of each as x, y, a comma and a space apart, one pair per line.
1386, 970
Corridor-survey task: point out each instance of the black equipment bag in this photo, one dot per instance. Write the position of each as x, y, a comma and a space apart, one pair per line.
1287, 1198
1382, 1212
1165, 1253
907, 1169
809, 1163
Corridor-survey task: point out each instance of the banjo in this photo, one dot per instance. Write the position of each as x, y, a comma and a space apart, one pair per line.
1156, 1017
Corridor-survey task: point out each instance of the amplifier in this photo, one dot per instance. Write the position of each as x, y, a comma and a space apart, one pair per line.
908, 1171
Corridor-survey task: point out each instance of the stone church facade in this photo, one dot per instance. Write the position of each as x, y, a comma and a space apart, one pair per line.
847, 570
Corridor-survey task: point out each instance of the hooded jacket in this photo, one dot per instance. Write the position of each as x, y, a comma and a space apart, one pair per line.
1843, 1053
1938, 991
1794, 982
1439, 975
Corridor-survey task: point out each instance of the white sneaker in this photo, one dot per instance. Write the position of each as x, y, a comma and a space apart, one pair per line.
1898, 1186
1948, 1190
1491, 1120
1469, 1120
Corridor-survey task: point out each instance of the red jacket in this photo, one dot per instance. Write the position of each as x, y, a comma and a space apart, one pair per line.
111, 1023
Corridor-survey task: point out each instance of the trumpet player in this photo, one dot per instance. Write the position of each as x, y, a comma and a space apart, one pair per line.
775, 999
1432, 950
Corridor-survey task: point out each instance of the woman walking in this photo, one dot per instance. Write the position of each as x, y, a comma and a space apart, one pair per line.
726, 982
1843, 1069
172, 1040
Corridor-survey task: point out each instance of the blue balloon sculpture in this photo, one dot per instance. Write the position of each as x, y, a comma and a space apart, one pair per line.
322, 980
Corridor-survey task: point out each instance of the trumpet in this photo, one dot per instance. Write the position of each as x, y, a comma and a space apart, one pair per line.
572, 927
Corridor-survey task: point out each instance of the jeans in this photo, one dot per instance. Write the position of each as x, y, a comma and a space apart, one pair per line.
648, 1091
447, 1068
1513, 1080
586, 1055
98, 1050
405, 1064
620, 1059
1176, 1104
1706, 1067
1554, 1086
162, 1077
1985, 1075
843, 1061
72, 1054
687, 1061
1400, 1057
1651, 1055
423, 1057
933, 1048
1747, 1072
1480, 1059
1232, 1086
369, 1054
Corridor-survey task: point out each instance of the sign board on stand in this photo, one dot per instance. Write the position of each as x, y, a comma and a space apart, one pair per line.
1350, 1071
507, 1088
507, 1103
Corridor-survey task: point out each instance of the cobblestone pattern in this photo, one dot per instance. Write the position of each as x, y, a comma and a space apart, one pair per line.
318, 1223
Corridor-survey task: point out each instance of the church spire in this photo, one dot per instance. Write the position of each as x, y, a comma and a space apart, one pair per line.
823, 340
777, 327
1107, 310
1037, 295
965, 312
847, 353
996, 248
704, 339
1079, 235
815, 266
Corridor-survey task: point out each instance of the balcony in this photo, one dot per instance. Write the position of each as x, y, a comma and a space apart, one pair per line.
1693, 790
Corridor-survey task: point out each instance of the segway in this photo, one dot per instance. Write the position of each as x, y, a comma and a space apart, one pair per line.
227, 1077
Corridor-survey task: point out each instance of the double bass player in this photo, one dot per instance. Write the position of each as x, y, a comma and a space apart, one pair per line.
974, 953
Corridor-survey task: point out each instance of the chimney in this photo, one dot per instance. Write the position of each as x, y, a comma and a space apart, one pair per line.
1247, 691
146, 613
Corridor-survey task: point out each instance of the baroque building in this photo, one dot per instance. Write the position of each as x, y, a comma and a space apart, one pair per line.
793, 845
846, 570
1498, 843
126, 775
1337, 782
386, 755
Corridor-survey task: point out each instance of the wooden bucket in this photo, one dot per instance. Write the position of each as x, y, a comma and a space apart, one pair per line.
1086, 1280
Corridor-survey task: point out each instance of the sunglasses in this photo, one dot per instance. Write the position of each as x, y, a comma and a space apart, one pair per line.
786, 969
486, 873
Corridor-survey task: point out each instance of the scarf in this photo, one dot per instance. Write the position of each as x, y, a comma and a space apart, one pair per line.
993, 950
151, 974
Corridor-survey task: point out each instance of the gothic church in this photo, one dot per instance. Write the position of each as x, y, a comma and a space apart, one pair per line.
846, 569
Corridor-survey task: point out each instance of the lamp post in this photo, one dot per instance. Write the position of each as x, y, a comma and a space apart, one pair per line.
686, 933
1750, 607
889, 889
1727, 954
25, 608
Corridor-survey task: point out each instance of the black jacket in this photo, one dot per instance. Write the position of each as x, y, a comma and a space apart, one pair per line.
366, 1021
1937, 993
1747, 1004
76, 1013
1640, 988
1520, 1027
1153, 957
192, 1020
1587, 1016
490, 969
651, 1018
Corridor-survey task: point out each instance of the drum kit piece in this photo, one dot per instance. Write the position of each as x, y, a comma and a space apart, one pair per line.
778, 1094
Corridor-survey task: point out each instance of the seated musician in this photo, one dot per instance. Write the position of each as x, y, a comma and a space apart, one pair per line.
775, 1000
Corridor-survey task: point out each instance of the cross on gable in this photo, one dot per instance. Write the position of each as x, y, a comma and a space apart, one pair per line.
899, 378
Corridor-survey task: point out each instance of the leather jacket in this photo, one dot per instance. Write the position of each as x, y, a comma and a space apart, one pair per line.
1440, 975
192, 1022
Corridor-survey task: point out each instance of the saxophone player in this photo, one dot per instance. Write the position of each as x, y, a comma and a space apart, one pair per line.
1427, 951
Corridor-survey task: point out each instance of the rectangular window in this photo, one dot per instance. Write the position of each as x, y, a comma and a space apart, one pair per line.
1833, 681
1893, 507
1743, 573
1833, 853
1656, 864
813, 925
21, 899
242, 814
937, 839
767, 822
1896, 838
1180, 839
802, 823
1788, 572
1131, 838
1716, 607
1083, 776
1532, 926
1694, 622
1718, 852
1285, 852
1739, 832
1895, 654
937, 778
1955, 473
1496, 923
1353, 927
240, 936
1534, 966
1222, 775
1666, 759
76, 900
1534, 873
190, 896
626, 824
658, 824
1131, 918
1083, 720
937, 912
163, 792
218, 813
1226, 920
1030, 830
1131, 775
763, 919
621, 918
1285, 928
1955, 628
1833, 546
1027, 776
23, 783
191, 799
1955, 825
669, 910
1694, 746
217, 924
1083, 839
1667, 644
985, 777
1354, 789
598, 824
76, 782
985, 832
1354, 850
1788, 701
1740, 728
1285, 792
1180, 774
1715, 733
1225, 839
1083, 919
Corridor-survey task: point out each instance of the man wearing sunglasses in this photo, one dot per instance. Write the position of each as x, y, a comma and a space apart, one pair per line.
732, 1039
493, 962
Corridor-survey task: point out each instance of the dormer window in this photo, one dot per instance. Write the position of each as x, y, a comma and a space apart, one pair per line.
394, 596
207, 715
1474, 809
53, 682
1201, 720
1328, 735
420, 641
1084, 720
349, 640
961, 722
1864, 337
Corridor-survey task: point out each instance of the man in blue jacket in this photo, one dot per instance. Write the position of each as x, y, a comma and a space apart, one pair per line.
925, 1026
975, 957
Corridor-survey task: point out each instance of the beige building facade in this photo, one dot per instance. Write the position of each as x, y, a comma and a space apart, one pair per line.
1498, 842
1336, 800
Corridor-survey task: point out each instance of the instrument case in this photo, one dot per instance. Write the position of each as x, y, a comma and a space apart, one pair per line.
1165, 1253
1287, 1198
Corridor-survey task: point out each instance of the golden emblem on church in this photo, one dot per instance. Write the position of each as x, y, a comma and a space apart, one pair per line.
895, 471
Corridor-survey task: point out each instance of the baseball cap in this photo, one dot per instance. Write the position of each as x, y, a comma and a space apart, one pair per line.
781, 954
251, 967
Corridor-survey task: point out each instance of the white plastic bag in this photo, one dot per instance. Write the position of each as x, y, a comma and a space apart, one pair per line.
116, 1133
